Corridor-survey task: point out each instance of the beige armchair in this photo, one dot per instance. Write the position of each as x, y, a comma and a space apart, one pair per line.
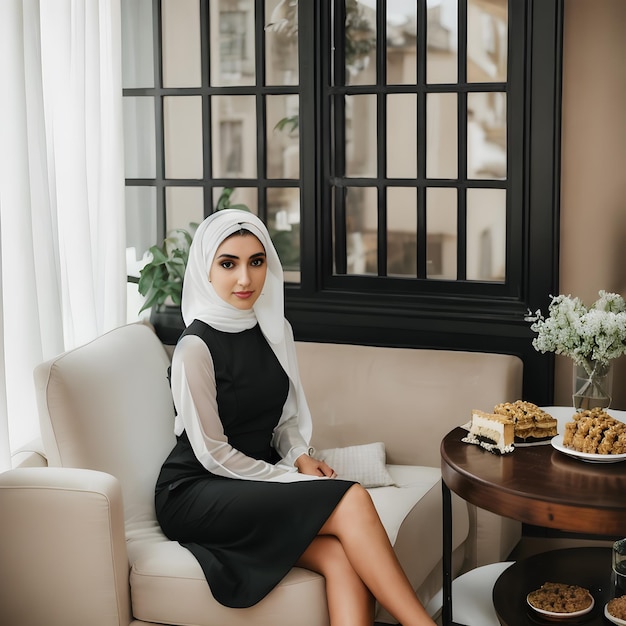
71, 532
79, 540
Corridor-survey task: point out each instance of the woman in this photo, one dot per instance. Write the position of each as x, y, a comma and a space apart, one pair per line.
241, 489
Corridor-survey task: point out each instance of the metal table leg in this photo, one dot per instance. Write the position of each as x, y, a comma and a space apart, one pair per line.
446, 612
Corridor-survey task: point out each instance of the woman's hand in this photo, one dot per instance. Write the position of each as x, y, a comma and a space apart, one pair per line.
308, 465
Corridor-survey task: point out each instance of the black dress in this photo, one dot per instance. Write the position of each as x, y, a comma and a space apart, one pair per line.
245, 534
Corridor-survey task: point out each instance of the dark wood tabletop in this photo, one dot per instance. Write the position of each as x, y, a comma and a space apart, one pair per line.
538, 485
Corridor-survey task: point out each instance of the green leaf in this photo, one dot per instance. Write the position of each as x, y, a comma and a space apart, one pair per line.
290, 123
158, 256
223, 202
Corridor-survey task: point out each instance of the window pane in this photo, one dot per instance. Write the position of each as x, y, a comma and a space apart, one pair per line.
402, 231
487, 40
486, 235
441, 233
139, 137
137, 44
360, 41
361, 143
183, 205
141, 220
486, 135
233, 120
283, 144
402, 136
442, 41
362, 230
246, 196
181, 43
281, 42
441, 135
232, 42
401, 43
283, 220
182, 116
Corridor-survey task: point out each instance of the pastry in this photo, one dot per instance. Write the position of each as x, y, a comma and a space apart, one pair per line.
594, 431
531, 422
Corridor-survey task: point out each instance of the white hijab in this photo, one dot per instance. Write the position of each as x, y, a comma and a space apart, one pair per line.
200, 300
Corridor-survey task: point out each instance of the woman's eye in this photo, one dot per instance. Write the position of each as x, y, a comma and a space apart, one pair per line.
257, 262
227, 265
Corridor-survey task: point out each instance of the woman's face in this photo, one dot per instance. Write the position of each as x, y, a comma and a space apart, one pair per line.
238, 270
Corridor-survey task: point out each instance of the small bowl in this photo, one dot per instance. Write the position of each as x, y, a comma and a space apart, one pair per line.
555, 615
612, 618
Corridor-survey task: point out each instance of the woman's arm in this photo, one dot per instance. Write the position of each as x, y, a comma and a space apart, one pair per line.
292, 447
195, 397
287, 438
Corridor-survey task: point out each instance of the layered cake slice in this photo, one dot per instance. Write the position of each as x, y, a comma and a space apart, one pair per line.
531, 423
493, 432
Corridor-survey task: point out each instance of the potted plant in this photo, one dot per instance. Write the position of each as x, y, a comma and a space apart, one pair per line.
161, 283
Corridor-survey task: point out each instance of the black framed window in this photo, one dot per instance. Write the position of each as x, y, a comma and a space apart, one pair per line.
419, 96
212, 98
405, 156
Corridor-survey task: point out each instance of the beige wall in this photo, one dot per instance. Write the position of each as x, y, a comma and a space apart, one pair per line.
593, 177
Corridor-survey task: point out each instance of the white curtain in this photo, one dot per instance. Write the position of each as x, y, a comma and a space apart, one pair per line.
62, 233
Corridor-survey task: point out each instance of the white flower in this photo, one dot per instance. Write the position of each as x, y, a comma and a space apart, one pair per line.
611, 302
585, 335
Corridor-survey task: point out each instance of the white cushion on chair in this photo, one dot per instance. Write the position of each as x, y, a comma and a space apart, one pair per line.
168, 586
364, 464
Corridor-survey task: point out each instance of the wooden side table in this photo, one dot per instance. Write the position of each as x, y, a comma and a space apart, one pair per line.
535, 485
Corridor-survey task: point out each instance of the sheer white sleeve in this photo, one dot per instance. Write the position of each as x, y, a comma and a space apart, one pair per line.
287, 439
195, 397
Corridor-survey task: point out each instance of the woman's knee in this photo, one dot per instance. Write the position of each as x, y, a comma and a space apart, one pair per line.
356, 507
359, 492
358, 501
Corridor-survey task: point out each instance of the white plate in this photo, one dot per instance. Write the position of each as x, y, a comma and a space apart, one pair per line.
552, 614
611, 618
557, 444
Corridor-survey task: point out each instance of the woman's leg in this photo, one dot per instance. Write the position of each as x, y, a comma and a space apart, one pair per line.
349, 601
356, 524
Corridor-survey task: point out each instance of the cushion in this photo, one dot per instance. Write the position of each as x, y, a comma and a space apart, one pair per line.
168, 587
363, 464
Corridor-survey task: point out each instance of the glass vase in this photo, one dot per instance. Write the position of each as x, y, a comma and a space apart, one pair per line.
592, 382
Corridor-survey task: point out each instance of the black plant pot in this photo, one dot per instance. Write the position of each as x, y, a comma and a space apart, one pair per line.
168, 323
